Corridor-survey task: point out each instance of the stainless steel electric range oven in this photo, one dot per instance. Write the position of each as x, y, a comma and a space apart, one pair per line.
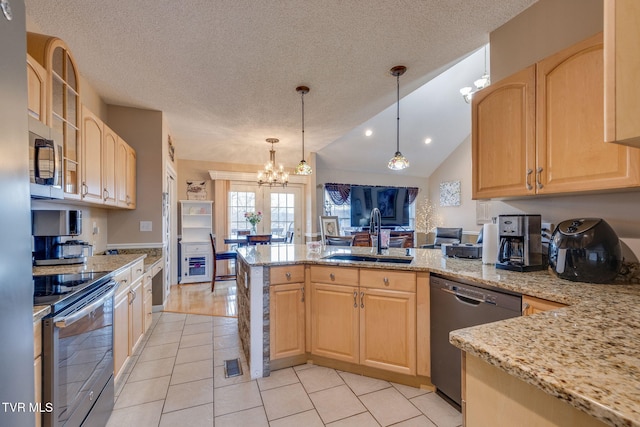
77, 347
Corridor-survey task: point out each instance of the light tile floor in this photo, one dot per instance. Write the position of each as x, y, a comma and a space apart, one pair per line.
176, 378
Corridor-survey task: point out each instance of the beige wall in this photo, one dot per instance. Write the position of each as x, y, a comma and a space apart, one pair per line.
143, 130
513, 46
541, 30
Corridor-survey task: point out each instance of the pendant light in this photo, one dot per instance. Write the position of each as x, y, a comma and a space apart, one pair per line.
484, 81
398, 161
303, 167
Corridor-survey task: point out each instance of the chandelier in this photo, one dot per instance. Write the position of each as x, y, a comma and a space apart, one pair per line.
271, 174
398, 161
484, 81
303, 167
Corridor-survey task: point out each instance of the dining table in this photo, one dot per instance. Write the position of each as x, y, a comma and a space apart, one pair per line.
241, 240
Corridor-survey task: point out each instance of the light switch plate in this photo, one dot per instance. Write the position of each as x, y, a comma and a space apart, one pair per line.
146, 226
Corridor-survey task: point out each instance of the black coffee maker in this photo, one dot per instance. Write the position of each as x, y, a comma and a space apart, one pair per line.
520, 243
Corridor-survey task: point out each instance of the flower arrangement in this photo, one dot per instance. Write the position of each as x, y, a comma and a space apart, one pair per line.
253, 217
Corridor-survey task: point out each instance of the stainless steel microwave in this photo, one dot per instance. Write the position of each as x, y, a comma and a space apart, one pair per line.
45, 161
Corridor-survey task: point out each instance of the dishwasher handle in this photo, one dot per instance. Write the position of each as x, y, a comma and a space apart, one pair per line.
463, 298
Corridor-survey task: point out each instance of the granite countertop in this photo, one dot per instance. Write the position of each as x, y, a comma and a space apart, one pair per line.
98, 263
585, 354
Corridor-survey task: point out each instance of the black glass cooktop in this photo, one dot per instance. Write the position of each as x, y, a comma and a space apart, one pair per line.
56, 289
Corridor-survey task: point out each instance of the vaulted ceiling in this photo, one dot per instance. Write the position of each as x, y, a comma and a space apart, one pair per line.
225, 71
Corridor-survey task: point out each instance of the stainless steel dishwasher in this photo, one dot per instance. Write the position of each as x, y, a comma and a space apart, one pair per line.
456, 305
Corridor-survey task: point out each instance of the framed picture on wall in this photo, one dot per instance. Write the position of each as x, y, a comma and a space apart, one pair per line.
329, 226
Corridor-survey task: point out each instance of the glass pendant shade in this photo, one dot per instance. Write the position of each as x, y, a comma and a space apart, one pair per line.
303, 168
398, 162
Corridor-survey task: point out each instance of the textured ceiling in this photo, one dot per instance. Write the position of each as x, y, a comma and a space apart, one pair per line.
225, 71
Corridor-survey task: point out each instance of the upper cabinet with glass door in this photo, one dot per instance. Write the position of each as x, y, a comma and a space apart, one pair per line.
62, 101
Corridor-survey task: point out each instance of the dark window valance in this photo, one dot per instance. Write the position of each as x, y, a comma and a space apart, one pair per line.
339, 193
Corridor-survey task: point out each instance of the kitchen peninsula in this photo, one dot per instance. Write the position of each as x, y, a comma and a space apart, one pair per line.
585, 355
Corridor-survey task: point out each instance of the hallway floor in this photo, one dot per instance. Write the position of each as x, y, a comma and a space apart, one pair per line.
176, 378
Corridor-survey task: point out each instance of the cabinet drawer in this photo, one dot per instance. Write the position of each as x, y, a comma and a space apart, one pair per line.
137, 270
124, 279
335, 275
287, 274
388, 279
191, 248
157, 268
37, 338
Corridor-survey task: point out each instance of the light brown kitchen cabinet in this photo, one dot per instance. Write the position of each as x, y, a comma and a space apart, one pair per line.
120, 328
131, 178
365, 317
147, 290
287, 311
136, 314
62, 95
92, 147
109, 147
36, 90
533, 305
503, 137
335, 321
621, 70
568, 154
388, 320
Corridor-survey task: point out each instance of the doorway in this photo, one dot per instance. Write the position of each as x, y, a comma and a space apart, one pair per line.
281, 209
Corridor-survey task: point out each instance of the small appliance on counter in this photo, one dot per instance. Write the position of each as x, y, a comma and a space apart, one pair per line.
520, 243
462, 250
48, 229
585, 250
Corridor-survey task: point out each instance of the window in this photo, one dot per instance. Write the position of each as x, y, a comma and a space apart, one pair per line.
282, 213
239, 203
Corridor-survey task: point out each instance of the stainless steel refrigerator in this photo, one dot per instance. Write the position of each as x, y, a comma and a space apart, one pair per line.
16, 287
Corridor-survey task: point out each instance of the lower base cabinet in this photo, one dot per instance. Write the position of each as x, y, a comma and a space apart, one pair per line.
120, 331
287, 320
136, 314
37, 368
372, 325
147, 304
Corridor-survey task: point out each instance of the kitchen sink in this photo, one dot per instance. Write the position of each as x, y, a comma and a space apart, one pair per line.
369, 258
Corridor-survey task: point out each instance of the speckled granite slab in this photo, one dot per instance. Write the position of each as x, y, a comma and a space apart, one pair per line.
587, 354
96, 263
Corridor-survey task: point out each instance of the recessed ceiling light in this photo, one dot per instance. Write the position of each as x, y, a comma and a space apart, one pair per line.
368, 132
428, 141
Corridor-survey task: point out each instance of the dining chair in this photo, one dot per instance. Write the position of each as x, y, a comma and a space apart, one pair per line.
339, 240
445, 235
221, 256
394, 241
258, 239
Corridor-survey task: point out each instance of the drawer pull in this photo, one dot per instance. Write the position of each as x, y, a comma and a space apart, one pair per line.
332, 277
288, 275
386, 281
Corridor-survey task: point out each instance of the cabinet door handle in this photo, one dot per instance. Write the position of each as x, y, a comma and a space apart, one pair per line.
302, 290
288, 275
538, 176
528, 179
355, 299
386, 281
85, 189
361, 299
332, 277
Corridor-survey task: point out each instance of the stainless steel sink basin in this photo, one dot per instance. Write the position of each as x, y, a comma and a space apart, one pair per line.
368, 258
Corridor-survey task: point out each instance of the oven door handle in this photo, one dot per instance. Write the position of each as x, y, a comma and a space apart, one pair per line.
63, 322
